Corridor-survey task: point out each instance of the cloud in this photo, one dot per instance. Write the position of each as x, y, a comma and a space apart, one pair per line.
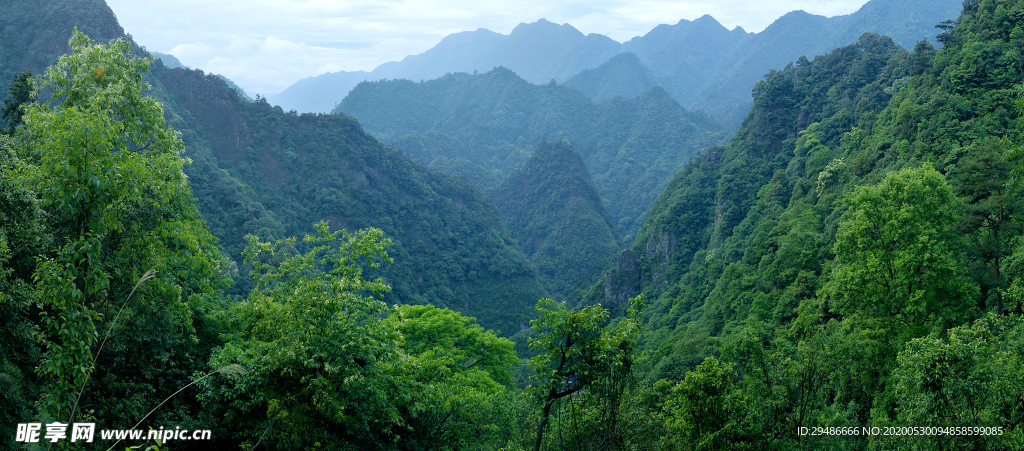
266, 45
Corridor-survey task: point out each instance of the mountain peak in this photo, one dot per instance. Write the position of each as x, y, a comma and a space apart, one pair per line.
546, 27
623, 75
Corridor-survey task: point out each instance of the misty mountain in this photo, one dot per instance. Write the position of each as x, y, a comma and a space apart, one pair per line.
538, 52
173, 63
318, 94
700, 63
485, 126
623, 75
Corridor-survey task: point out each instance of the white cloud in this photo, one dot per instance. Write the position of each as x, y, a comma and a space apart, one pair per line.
266, 45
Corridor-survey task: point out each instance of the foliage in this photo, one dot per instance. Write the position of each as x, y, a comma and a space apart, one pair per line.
108, 174
897, 256
22, 237
577, 353
460, 395
20, 92
317, 352
553, 211
494, 120
446, 335
972, 376
702, 408
328, 362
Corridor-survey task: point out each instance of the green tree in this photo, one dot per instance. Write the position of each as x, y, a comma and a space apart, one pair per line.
577, 352
703, 409
973, 375
898, 258
318, 353
107, 172
460, 371
448, 335
19, 92
991, 215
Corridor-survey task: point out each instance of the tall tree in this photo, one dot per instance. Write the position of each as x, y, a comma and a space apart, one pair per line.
898, 258
317, 351
108, 173
577, 352
19, 93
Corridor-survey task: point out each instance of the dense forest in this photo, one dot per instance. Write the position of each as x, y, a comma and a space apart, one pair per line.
847, 272
258, 170
553, 210
485, 126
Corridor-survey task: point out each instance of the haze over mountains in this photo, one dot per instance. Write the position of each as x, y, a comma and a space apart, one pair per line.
484, 126
700, 63
850, 259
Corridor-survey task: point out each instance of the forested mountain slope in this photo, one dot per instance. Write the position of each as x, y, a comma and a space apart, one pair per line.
34, 34
257, 170
723, 91
553, 210
450, 248
492, 121
623, 75
830, 265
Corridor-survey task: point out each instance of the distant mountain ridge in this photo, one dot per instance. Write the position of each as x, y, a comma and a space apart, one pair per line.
485, 126
700, 62
623, 75
173, 62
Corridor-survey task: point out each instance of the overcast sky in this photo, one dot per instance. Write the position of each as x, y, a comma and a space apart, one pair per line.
266, 45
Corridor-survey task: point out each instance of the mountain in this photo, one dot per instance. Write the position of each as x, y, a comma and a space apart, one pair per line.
491, 122
623, 75
34, 37
553, 210
539, 52
717, 76
169, 60
700, 63
318, 94
684, 56
850, 239
173, 63
259, 170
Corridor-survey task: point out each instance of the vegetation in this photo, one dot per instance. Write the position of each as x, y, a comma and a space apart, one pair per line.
485, 126
272, 174
826, 268
552, 209
97, 177
851, 259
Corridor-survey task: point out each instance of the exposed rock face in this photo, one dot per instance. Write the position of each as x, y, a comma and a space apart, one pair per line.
623, 281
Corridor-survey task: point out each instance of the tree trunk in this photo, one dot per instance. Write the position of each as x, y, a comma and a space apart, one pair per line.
544, 420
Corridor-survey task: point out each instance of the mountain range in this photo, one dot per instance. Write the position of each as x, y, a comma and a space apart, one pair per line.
484, 126
258, 170
700, 63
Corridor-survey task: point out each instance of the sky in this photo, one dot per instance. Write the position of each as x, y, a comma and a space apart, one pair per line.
267, 45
